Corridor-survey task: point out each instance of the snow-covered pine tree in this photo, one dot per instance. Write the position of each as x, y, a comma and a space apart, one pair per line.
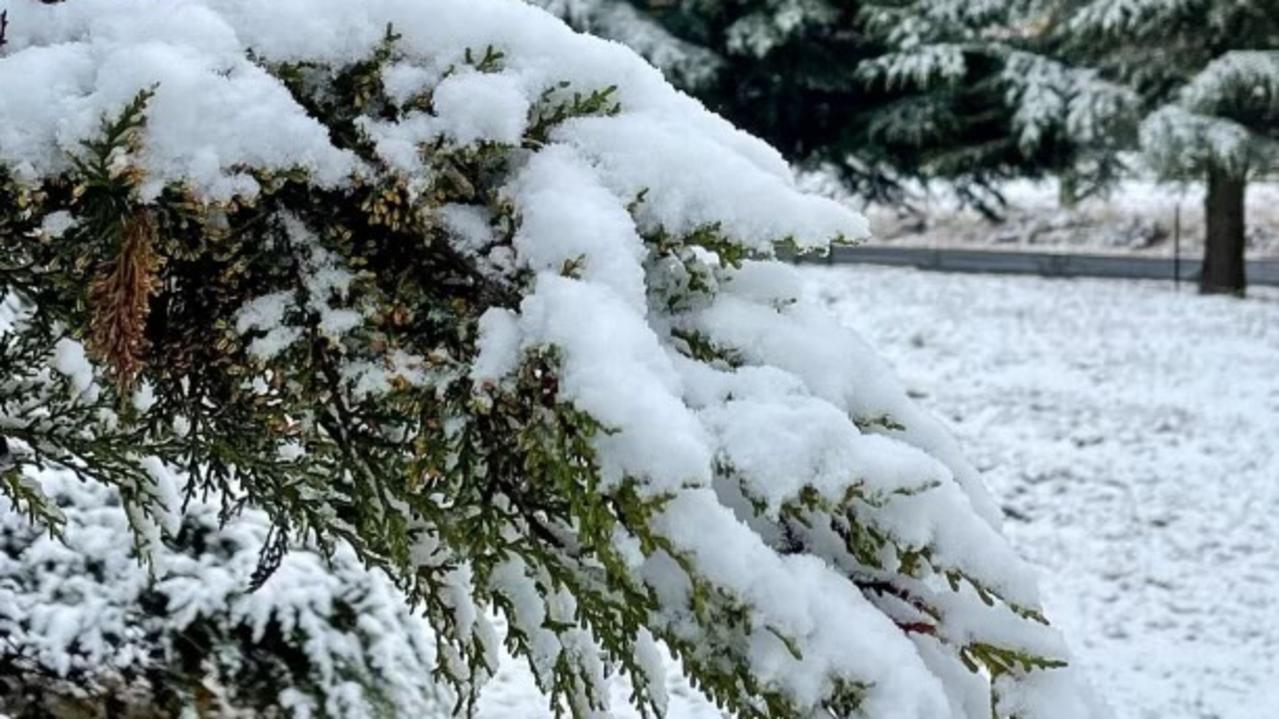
1042, 115
494, 305
86, 631
1208, 75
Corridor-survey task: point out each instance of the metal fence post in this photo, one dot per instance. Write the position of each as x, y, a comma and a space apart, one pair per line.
1176, 246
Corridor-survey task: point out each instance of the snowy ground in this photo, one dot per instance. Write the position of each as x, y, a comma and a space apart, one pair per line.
1130, 434
1137, 217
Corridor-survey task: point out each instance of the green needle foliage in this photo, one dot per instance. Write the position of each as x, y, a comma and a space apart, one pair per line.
312, 351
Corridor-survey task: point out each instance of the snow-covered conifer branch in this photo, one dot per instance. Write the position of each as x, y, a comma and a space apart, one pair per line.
490, 304
1241, 83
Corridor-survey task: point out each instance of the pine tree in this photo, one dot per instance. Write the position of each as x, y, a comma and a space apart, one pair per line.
1055, 118
494, 307
1208, 76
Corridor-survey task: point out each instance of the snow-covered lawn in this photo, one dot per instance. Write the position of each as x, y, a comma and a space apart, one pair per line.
1132, 436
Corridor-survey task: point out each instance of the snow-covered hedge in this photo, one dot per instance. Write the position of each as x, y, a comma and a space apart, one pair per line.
491, 303
84, 627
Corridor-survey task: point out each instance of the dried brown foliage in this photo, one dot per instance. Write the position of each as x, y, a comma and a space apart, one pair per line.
120, 300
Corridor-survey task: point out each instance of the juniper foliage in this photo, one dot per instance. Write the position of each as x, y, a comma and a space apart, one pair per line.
331, 353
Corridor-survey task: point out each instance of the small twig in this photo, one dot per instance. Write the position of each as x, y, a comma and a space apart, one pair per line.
4, 28
917, 628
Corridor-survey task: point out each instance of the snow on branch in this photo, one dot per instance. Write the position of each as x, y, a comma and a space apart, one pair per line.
1238, 83
917, 67
85, 624
1048, 94
757, 33
1178, 143
1141, 18
490, 304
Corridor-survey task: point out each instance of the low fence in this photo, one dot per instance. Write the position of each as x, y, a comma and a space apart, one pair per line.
1044, 264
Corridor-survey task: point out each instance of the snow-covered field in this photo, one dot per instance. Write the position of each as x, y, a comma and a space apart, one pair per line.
1132, 436
1137, 217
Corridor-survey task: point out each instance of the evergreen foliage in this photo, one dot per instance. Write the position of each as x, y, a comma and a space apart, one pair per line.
1201, 74
87, 632
1055, 117
491, 307
1208, 73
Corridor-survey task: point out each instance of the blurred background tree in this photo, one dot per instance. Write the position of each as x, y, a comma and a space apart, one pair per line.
879, 95
1052, 117
1207, 74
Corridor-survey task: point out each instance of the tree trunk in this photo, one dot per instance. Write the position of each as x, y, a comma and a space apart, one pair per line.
1067, 191
1223, 270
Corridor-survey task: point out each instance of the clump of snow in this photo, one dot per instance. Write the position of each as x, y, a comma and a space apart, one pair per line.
266, 314
476, 106
56, 224
213, 111
567, 217
711, 183
69, 360
618, 372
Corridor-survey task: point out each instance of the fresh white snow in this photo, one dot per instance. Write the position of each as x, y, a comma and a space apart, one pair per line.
1129, 433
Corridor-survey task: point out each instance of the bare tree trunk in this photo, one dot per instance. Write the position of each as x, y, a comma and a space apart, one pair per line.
1067, 191
1223, 270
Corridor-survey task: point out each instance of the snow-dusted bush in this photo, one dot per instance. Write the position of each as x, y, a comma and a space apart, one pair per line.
492, 304
86, 630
